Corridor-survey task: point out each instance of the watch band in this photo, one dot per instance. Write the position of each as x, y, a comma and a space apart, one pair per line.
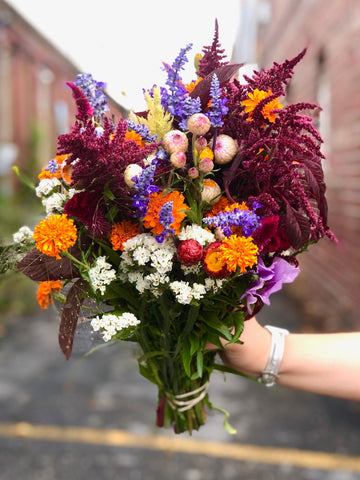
271, 372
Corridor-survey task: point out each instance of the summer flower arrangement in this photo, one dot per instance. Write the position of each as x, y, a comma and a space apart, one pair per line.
179, 222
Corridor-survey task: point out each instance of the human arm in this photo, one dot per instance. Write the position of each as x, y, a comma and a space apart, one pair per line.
327, 364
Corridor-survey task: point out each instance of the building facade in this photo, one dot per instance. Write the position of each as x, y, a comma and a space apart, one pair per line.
35, 104
329, 285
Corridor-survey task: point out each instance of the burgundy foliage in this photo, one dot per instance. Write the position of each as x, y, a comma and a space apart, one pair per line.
99, 161
89, 209
70, 315
279, 163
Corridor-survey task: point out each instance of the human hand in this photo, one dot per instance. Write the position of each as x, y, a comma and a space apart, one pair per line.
249, 358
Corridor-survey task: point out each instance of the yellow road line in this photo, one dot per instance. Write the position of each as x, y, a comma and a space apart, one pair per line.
122, 438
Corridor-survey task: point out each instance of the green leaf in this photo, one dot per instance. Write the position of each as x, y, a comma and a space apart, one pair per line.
237, 319
108, 193
216, 324
194, 344
200, 363
23, 178
186, 357
192, 316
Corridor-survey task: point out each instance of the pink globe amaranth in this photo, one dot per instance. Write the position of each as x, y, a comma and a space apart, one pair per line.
225, 149
206, 165
193, 172
189, 252
178, 159
198, 124
175, 141
200, 144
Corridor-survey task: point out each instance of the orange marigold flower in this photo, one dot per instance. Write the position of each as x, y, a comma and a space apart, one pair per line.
255, 98
157, 200
55, 234
219, 206
136, 137
121, 232
213, 264
232, 206
45, 291
59, 159
190, 86
237, 251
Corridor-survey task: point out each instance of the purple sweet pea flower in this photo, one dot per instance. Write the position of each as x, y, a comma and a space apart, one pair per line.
270, 280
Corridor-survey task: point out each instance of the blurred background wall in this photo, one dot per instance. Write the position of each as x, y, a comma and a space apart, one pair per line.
35, 107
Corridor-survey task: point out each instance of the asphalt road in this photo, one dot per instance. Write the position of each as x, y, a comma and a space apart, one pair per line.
56, 417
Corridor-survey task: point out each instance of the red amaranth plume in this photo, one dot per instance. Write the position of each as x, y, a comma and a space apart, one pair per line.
279, 162
213, 56
84, 109
99, 160
273, 78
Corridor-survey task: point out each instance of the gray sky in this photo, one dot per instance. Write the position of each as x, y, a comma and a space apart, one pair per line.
123, 43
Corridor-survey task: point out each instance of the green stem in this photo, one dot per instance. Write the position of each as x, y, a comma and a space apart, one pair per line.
75, 260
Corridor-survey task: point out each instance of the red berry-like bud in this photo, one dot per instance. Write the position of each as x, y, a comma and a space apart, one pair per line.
189, 252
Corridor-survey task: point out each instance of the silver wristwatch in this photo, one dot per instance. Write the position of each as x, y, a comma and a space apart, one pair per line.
271, 372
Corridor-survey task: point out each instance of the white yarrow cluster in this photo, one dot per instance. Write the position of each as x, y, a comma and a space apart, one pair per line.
109, 324
153, 261
184, 292
101, 275
198, 233
47, 186
24, 234
55, 203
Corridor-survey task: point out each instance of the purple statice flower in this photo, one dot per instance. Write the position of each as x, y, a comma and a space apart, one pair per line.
143, 188
166, 218
161, 156
218, 107
142, 130
269, 280
52, 166
176, 98
94, 92
246, 219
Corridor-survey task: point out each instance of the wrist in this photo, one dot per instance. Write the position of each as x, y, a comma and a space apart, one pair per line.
270, 373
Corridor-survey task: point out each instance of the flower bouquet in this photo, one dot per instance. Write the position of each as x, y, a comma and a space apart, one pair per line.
180, 221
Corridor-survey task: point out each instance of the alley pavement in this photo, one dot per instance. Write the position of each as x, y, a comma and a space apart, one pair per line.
104, 392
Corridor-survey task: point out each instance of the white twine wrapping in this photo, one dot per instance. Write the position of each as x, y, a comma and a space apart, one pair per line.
176, 402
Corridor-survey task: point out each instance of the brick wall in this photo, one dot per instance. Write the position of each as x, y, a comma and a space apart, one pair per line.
35, 103
329, 285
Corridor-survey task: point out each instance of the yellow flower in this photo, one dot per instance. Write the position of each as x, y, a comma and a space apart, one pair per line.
158, 121
267, 111
237, 251
55, 234
206, 153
